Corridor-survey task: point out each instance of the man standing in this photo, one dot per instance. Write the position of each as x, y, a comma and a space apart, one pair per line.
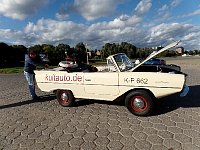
32, 59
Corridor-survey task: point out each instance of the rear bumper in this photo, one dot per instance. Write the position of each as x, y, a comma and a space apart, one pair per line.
184, 91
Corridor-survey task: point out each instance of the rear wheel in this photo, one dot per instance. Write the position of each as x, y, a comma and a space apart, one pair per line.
139, 103
65, 98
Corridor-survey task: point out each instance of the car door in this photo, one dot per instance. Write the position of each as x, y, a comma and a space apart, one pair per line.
101, 83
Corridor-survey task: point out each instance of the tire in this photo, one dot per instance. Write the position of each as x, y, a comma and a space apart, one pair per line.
65, 98
139, 103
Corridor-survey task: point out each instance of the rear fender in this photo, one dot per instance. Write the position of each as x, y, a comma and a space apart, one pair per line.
123, 96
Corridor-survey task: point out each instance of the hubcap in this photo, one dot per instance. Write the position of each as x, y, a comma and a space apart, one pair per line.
64, 97
138, 103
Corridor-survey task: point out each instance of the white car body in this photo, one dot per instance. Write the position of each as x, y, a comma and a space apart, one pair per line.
112, 81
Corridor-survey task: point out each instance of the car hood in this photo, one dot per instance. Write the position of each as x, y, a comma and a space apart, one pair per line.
156, 53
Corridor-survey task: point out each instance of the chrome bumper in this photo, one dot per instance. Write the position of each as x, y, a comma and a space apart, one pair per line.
185, 91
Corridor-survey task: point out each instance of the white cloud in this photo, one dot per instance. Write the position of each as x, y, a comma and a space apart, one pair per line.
118, 30
129, 28
10, 34
124, 17
192, 36
175, 3
96, 35
196, 12
163, 14
166, 32
20, 9
163, 8
143, 7
92, 9
53, 31
62, 17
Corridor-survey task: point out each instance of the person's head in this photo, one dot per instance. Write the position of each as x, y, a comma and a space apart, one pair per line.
32, 54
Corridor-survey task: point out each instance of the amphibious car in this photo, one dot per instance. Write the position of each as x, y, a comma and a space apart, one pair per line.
137, 85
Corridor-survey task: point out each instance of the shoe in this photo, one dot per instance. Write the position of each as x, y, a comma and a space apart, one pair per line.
36, 98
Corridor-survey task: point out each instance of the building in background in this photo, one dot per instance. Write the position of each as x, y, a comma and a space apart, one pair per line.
179, 50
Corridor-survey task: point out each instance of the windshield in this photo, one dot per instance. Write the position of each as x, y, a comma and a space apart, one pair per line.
123, 62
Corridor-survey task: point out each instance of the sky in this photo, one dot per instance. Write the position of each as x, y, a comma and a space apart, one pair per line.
143, 23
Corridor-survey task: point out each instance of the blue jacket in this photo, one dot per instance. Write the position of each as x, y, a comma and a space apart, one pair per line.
30, 64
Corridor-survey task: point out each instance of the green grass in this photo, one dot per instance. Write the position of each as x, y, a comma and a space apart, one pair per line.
21, 69
11, 70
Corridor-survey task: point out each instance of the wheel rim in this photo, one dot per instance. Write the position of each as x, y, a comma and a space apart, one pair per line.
139, 103
64, 98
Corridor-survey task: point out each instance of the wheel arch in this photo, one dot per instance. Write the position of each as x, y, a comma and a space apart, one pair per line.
140, 89
55, 91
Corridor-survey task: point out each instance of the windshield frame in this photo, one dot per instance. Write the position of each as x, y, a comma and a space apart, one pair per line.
123, 62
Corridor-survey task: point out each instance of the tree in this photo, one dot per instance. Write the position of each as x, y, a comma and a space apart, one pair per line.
61, 51
124, 47
106, 50
5, 54
19, 52
49, 51
37, 48
81, 52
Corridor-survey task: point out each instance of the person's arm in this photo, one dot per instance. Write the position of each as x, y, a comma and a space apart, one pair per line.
45, 63
29, 60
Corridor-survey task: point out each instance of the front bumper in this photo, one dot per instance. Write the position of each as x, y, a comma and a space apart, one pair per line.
185, 91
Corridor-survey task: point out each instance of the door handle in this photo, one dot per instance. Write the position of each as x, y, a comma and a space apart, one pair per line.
87, 79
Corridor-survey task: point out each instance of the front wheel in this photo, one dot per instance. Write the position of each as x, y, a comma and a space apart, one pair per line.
65, 98
139, 103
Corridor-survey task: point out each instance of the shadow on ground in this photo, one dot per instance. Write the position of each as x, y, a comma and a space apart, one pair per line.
174, 102
163, 105
26, 102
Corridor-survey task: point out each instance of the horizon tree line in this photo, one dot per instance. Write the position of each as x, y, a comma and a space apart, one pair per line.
12, 56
